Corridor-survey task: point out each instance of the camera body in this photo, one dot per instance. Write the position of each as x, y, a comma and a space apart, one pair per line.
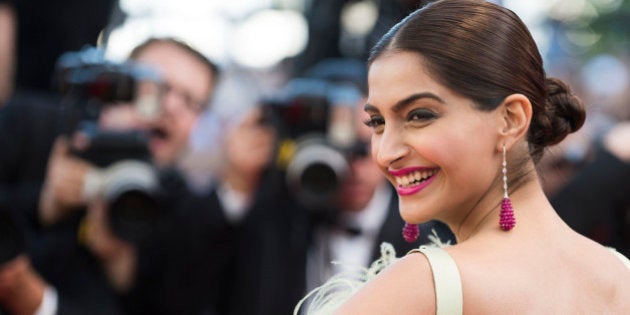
124, 177
313, 149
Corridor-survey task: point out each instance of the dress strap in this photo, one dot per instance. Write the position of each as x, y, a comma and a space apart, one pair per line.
448, 286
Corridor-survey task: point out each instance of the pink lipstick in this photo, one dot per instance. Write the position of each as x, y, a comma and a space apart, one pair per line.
421, 178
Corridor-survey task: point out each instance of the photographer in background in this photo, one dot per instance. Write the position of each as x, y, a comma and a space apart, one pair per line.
75, 250
189, 81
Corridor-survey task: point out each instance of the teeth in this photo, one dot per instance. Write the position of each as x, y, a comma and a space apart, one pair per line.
414, 178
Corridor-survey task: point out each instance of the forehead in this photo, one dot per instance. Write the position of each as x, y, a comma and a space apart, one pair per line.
178, 66
396, 75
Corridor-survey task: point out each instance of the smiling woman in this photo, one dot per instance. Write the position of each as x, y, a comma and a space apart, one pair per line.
461, 112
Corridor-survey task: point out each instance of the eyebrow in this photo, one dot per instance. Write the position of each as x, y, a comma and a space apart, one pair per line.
400, 105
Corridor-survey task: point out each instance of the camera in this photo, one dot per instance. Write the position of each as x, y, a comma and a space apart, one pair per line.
313, 148
125, 177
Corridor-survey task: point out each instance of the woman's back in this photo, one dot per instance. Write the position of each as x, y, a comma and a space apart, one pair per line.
542, 276
571, 277
543, 267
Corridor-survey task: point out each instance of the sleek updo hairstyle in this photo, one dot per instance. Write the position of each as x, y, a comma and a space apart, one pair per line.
486, 53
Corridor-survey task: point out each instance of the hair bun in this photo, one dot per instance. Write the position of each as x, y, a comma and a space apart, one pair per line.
563, 114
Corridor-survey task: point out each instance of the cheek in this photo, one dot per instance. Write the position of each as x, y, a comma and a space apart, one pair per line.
185, 124
456, 154
466, 162
374, 149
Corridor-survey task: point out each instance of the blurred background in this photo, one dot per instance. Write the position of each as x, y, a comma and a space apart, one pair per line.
583, 41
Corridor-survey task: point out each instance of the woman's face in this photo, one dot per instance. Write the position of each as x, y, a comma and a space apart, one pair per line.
439, 152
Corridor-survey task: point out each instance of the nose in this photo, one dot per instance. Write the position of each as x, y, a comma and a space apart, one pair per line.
389, 147
170, 102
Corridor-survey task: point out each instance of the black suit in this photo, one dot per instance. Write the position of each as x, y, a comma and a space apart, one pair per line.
28, 126
596, 202
187, 268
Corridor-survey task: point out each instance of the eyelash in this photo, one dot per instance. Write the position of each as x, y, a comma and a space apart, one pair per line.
374, 121
418, 115
421, 115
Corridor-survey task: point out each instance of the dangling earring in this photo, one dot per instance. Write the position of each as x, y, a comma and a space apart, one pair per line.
411, 232
506, 221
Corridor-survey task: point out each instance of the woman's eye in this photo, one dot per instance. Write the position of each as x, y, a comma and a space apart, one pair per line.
421, 115
374, 121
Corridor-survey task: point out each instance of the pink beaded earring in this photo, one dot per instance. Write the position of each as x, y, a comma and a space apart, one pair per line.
411, 232
506, 221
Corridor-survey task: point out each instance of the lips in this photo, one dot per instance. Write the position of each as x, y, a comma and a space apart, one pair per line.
158, 139
159, 132
412, 180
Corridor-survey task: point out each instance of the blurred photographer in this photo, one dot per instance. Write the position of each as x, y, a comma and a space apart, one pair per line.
189, 79
80, 252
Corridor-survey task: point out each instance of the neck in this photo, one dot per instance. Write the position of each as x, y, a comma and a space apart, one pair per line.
484, 215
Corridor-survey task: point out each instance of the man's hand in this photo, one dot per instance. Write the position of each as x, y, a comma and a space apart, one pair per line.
63, 187
21, 288
117, 256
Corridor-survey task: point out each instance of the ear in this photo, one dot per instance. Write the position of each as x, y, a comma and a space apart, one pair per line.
516, 115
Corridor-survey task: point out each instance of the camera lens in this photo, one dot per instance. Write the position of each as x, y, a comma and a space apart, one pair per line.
134, 215
316, 171
319, 178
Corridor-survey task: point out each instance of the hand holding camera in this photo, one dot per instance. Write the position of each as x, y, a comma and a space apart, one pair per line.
62, 191
106, 110
118, 256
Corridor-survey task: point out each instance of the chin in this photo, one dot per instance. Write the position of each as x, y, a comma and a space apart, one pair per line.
413, 213
162, 158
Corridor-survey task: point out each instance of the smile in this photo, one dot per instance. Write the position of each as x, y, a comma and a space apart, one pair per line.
411, 181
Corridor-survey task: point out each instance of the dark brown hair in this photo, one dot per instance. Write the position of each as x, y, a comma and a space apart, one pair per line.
486, 53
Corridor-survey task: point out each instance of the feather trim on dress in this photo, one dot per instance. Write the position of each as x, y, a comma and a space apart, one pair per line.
327, 298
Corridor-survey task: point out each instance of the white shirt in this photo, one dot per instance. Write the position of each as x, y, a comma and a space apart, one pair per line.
49, 302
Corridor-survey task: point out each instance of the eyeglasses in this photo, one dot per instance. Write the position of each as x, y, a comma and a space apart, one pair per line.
190, 102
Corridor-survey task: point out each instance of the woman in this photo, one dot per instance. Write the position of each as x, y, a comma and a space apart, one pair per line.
461, 111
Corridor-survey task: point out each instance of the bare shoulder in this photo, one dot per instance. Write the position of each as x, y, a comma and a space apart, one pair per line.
405, 287
606, 278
